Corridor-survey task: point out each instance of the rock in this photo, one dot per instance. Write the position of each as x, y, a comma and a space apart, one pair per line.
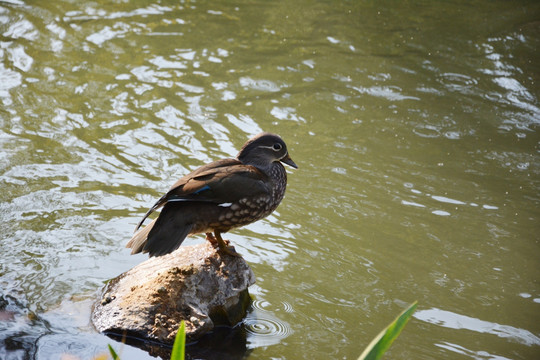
194, 283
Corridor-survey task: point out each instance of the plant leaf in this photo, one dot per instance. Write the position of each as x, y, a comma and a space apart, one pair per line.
179, 346
113, 353
384, 339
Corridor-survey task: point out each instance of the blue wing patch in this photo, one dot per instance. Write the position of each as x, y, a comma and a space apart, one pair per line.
205, 187
177, 198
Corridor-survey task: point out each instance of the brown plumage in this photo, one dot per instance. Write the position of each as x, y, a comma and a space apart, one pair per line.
218, 197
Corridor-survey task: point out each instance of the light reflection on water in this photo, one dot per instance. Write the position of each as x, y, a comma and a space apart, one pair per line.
456, 321
415, 129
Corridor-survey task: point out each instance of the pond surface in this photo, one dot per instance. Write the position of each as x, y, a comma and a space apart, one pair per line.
415, 125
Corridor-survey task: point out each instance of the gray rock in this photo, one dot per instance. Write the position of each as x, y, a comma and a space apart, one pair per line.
195, 284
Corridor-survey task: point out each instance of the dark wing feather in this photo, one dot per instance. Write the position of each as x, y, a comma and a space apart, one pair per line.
222, 181
169, 231
176, 193
156, 206
213, 166
223, 185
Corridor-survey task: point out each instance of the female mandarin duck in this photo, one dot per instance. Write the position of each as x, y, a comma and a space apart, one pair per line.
218, 197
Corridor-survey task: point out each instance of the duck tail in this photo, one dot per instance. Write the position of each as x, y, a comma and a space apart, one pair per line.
138, 241
164, 234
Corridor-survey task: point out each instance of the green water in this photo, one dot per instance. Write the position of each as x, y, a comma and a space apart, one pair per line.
415, 125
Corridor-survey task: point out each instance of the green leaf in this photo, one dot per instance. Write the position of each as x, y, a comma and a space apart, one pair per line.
382, 342
179, 346
113, 353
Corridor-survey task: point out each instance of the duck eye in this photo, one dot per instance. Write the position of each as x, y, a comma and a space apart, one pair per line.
277, 147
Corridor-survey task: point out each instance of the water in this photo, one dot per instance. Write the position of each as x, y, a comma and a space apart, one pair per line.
415, 127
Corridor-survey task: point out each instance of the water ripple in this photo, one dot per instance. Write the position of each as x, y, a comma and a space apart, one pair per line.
392, 93
259, 85
458, 82
263, 328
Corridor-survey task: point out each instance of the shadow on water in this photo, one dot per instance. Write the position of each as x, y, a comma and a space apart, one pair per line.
224, 342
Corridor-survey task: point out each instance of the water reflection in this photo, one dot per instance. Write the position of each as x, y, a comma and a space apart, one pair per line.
419, 196
456, 321
10, 79
455, 348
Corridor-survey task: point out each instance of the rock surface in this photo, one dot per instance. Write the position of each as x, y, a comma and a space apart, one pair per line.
195, 284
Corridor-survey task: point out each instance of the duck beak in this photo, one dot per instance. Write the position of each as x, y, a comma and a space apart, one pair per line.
287, 160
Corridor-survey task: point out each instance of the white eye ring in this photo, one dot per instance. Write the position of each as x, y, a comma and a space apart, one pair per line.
277, 147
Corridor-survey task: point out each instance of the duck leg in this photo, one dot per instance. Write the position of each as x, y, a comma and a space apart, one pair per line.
223, 248
210, 237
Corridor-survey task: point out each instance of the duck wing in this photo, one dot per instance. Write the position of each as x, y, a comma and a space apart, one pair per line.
220, 182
